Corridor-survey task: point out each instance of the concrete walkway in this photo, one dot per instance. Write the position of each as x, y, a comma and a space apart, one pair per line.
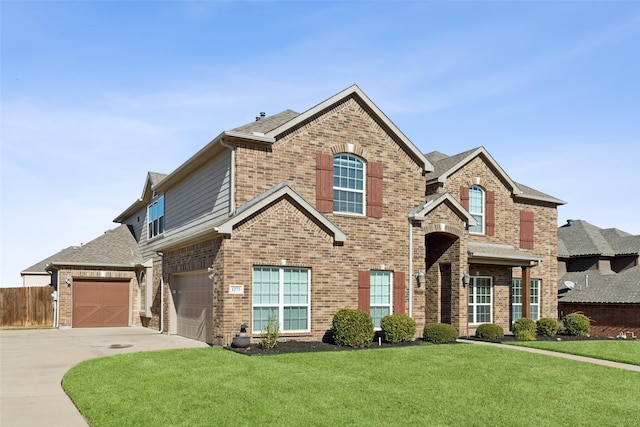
33, 362
608, 363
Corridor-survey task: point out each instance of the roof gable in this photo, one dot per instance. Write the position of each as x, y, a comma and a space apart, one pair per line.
152, 179
265, 199
356, 93
445, 166
420, 212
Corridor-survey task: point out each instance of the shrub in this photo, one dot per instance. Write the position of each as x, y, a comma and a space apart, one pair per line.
270, 332
398, 328
576, 324
524, 329
547, 327
439, 333
353, 328
490, 331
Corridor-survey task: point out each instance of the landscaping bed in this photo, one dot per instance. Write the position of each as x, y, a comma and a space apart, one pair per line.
294, 346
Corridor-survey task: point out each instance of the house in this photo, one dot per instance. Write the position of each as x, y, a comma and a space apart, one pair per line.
301, 214
599, 275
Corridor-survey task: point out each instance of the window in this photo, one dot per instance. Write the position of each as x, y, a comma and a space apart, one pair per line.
348, 184
283, 293
516, 299
156, 217
480, 300
381, 295
476, 208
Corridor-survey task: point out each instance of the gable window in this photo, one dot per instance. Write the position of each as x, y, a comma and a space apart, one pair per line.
348, 184
155, 215
476, 208
381, 296
480, 300
284, 294
516, 299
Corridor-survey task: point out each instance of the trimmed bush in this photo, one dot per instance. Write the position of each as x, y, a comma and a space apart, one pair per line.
547, 327
439, 333
490, 331
576, 324
398, 328
524, 329
353, 328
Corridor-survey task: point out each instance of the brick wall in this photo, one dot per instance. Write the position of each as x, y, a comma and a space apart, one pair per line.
606, 319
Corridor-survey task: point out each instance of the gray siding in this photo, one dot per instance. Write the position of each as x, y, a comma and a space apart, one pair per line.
204, 192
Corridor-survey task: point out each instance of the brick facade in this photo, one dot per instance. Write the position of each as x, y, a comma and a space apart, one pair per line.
285, 234
607, 320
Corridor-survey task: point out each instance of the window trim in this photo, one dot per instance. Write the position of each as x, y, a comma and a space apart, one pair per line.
363, 192
482, 215
158, 200
281, 304
471, 292
532, 296
388, 305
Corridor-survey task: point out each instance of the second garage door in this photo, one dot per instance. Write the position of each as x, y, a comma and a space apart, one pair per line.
100, 304
193, 301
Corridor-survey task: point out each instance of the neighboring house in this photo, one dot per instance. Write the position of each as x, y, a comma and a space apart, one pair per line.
299, 215
599, 275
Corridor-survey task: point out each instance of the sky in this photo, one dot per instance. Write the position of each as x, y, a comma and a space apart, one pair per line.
94, 94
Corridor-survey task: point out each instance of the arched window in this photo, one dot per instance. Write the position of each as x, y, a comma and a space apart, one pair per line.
348, 184
477, 208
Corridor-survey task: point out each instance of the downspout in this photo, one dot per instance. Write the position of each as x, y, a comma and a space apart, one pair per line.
161, 255
410, 269
232, 178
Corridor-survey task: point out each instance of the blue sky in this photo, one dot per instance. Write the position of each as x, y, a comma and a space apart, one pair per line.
96, 93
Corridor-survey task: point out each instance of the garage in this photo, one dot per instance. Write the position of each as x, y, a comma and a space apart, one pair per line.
99, 304
192, 296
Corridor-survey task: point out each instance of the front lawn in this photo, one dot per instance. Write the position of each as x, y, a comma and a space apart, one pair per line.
421, 385
624, 351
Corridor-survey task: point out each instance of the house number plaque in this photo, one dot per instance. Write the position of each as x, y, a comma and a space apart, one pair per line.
236, 289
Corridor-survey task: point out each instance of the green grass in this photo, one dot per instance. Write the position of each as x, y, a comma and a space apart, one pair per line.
421, 386
618, 351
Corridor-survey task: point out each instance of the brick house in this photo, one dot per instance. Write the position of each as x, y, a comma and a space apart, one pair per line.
599, 275
300, 215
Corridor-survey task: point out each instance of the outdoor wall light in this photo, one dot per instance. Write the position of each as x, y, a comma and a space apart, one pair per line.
420, 278
243, 328
466, 279
68, 281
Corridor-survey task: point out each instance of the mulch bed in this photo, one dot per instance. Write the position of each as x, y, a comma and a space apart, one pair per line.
310, 346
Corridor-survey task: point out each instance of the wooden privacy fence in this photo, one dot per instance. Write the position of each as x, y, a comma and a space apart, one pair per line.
26, 306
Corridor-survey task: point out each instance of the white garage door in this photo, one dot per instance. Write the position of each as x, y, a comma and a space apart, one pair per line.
193, 301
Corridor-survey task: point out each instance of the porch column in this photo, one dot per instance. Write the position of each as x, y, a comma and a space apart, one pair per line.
526, 291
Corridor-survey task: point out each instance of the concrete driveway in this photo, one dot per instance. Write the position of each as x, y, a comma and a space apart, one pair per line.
33, 362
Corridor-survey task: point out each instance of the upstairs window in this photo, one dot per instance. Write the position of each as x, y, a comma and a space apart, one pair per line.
476, 208
348, 184
155, 215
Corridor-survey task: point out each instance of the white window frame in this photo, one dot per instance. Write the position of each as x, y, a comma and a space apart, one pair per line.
478, 216
373, 305
362, 192
473, 301
516, 298
151, 227
145, 281
281, 305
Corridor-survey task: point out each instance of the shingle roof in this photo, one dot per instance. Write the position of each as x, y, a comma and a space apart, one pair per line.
156, 177
268, 123
579, 238
39, 267
445, 165
114, 247
602, 287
